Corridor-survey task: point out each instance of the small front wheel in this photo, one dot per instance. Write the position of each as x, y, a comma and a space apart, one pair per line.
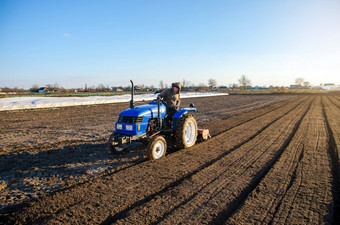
114, 149
156, 148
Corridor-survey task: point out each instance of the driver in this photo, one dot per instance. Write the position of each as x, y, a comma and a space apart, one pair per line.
171, 99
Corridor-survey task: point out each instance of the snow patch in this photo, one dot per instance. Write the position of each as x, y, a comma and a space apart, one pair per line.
16, 103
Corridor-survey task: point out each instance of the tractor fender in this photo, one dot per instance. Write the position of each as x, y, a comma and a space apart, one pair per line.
179, 114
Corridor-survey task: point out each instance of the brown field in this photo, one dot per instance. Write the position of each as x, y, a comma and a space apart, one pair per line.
272, 159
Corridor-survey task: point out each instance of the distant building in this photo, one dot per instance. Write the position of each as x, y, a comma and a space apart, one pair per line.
328, 84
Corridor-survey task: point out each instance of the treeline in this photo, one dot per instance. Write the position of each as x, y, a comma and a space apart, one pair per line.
244, 83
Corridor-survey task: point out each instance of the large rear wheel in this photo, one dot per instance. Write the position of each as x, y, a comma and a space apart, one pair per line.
156, 148
186, 131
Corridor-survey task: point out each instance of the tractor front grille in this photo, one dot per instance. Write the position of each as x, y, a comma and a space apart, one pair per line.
130, 119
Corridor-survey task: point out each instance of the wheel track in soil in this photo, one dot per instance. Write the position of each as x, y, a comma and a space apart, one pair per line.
255, 135
297, 156
337, 98
277, 106
186, 198
333, 127
69, 143
278, 199
51, 146
28, 123
247, 117
335, 101
226, 111
42, 218
315, 153
66, 143
232, 204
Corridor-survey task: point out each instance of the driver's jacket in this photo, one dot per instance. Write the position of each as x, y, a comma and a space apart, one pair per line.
172, 99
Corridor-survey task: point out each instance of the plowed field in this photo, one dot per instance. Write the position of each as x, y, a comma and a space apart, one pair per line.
271, 160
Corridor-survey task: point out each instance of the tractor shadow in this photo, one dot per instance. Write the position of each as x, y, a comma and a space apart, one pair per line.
25, 176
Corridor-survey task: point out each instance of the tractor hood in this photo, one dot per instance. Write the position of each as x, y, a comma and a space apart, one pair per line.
149, 110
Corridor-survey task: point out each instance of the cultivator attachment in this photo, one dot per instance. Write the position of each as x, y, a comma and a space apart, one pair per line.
203, 135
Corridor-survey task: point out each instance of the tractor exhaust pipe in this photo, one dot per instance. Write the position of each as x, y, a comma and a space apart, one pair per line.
132, 91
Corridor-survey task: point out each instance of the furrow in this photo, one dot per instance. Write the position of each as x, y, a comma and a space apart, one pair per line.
293, 191
120, 190
238, 120
313, 197
216, 129
143, 207
331, 114
334, 101
203, 177
214, 209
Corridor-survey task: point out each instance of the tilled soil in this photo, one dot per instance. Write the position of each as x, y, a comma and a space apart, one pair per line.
48, 149
35, 130
273, 164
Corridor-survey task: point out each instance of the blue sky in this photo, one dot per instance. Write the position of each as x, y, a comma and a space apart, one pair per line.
72, 43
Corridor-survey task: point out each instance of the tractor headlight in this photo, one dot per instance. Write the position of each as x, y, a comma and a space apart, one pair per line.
128, 127
119, 126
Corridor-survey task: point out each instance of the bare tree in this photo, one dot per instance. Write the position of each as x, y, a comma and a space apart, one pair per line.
244, 82
35, 86
212, 83
299, 81
184, 83
56, 85
100, 87
161, 84
306, 84
233, 86
142, 86
202, 85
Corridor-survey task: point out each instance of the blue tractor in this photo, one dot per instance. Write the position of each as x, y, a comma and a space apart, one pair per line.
148, 124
